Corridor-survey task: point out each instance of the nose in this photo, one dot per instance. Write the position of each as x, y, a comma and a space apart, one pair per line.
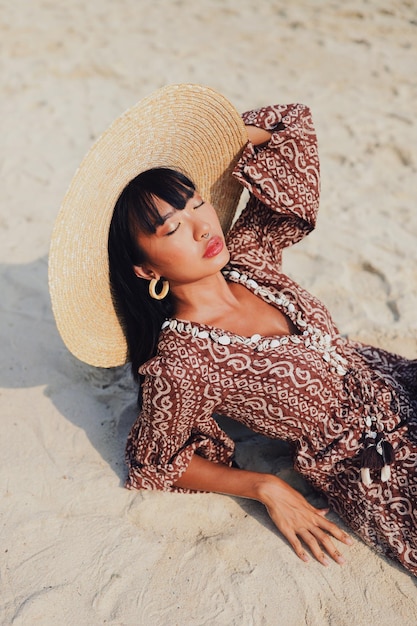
201, 229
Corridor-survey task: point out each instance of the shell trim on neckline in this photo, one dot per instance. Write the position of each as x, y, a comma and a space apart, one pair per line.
312, 337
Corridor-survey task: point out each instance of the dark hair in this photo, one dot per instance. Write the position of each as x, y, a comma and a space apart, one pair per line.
135, 211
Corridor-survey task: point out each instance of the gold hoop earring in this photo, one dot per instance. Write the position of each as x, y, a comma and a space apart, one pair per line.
152, 289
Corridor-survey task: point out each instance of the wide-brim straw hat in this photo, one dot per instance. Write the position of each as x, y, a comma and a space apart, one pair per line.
189, 128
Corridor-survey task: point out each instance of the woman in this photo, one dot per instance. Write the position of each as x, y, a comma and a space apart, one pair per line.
214, 326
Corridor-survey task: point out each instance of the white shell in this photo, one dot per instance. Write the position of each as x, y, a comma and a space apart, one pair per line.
255, 338
203, 334
274, 343
385, 473
264, 292
165, 324
252, 283
366, 476
224, 340
340, 359
291, 307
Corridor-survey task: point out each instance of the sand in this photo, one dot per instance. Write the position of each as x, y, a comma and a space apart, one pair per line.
77, 548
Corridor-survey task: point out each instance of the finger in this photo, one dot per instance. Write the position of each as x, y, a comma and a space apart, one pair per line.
314, 546
335, 531
297, 546
325, 546
329, 547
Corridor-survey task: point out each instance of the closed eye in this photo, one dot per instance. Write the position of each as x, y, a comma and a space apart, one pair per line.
174, 230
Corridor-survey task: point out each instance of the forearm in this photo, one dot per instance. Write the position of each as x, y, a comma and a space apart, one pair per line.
203, 475
291, 513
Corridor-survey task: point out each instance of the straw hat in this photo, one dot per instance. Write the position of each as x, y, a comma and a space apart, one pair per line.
186, 127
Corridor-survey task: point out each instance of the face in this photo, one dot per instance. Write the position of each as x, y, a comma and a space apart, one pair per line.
188, 247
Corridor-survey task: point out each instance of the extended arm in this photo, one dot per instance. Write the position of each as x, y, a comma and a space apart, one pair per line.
294, 517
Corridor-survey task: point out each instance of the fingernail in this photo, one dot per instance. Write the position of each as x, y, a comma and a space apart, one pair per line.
339, 558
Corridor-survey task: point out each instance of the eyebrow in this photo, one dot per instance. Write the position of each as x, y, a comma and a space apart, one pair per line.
166, 217
163, 219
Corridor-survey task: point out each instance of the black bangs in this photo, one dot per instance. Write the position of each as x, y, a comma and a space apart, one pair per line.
141, 194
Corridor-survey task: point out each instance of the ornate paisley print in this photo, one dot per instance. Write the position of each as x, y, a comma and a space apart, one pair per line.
326, 395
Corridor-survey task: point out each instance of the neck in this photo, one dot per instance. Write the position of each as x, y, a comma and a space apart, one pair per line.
204, 300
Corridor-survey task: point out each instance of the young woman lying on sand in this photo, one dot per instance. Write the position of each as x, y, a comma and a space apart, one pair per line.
211, 325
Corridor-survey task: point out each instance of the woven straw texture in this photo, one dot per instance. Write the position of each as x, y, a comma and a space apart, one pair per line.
187, 127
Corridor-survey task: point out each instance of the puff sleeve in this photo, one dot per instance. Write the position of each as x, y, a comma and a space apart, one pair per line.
175, 422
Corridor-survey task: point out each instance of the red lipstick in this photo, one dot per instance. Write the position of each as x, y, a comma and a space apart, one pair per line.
214, 247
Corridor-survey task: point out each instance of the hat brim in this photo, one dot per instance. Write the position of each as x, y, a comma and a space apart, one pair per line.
189, 128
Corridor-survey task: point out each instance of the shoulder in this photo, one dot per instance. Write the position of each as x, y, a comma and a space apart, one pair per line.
184, 354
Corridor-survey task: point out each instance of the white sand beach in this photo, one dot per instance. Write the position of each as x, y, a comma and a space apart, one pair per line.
77, 548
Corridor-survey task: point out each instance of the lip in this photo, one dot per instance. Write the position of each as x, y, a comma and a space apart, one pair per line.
214, 247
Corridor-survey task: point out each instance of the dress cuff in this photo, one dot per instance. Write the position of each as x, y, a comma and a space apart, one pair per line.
162, 477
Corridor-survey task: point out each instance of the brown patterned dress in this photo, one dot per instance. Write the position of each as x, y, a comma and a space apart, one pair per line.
347, 408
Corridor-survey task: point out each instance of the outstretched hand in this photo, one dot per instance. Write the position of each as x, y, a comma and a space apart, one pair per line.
301, 523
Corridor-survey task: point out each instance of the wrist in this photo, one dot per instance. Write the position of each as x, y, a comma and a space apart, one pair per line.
265, 488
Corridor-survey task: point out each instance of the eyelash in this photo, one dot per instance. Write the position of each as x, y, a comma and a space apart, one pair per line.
171, 232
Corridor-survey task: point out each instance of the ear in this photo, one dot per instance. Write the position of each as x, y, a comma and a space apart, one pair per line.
142, 271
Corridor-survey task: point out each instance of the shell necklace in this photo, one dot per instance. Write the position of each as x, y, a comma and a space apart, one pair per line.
312, 337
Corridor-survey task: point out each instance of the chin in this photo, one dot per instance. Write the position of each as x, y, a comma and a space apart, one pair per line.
225, 254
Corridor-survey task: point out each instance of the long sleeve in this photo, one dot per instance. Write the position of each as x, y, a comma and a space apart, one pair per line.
283, 179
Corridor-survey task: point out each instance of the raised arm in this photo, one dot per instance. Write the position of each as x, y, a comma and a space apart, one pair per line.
295, 518
258, 136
